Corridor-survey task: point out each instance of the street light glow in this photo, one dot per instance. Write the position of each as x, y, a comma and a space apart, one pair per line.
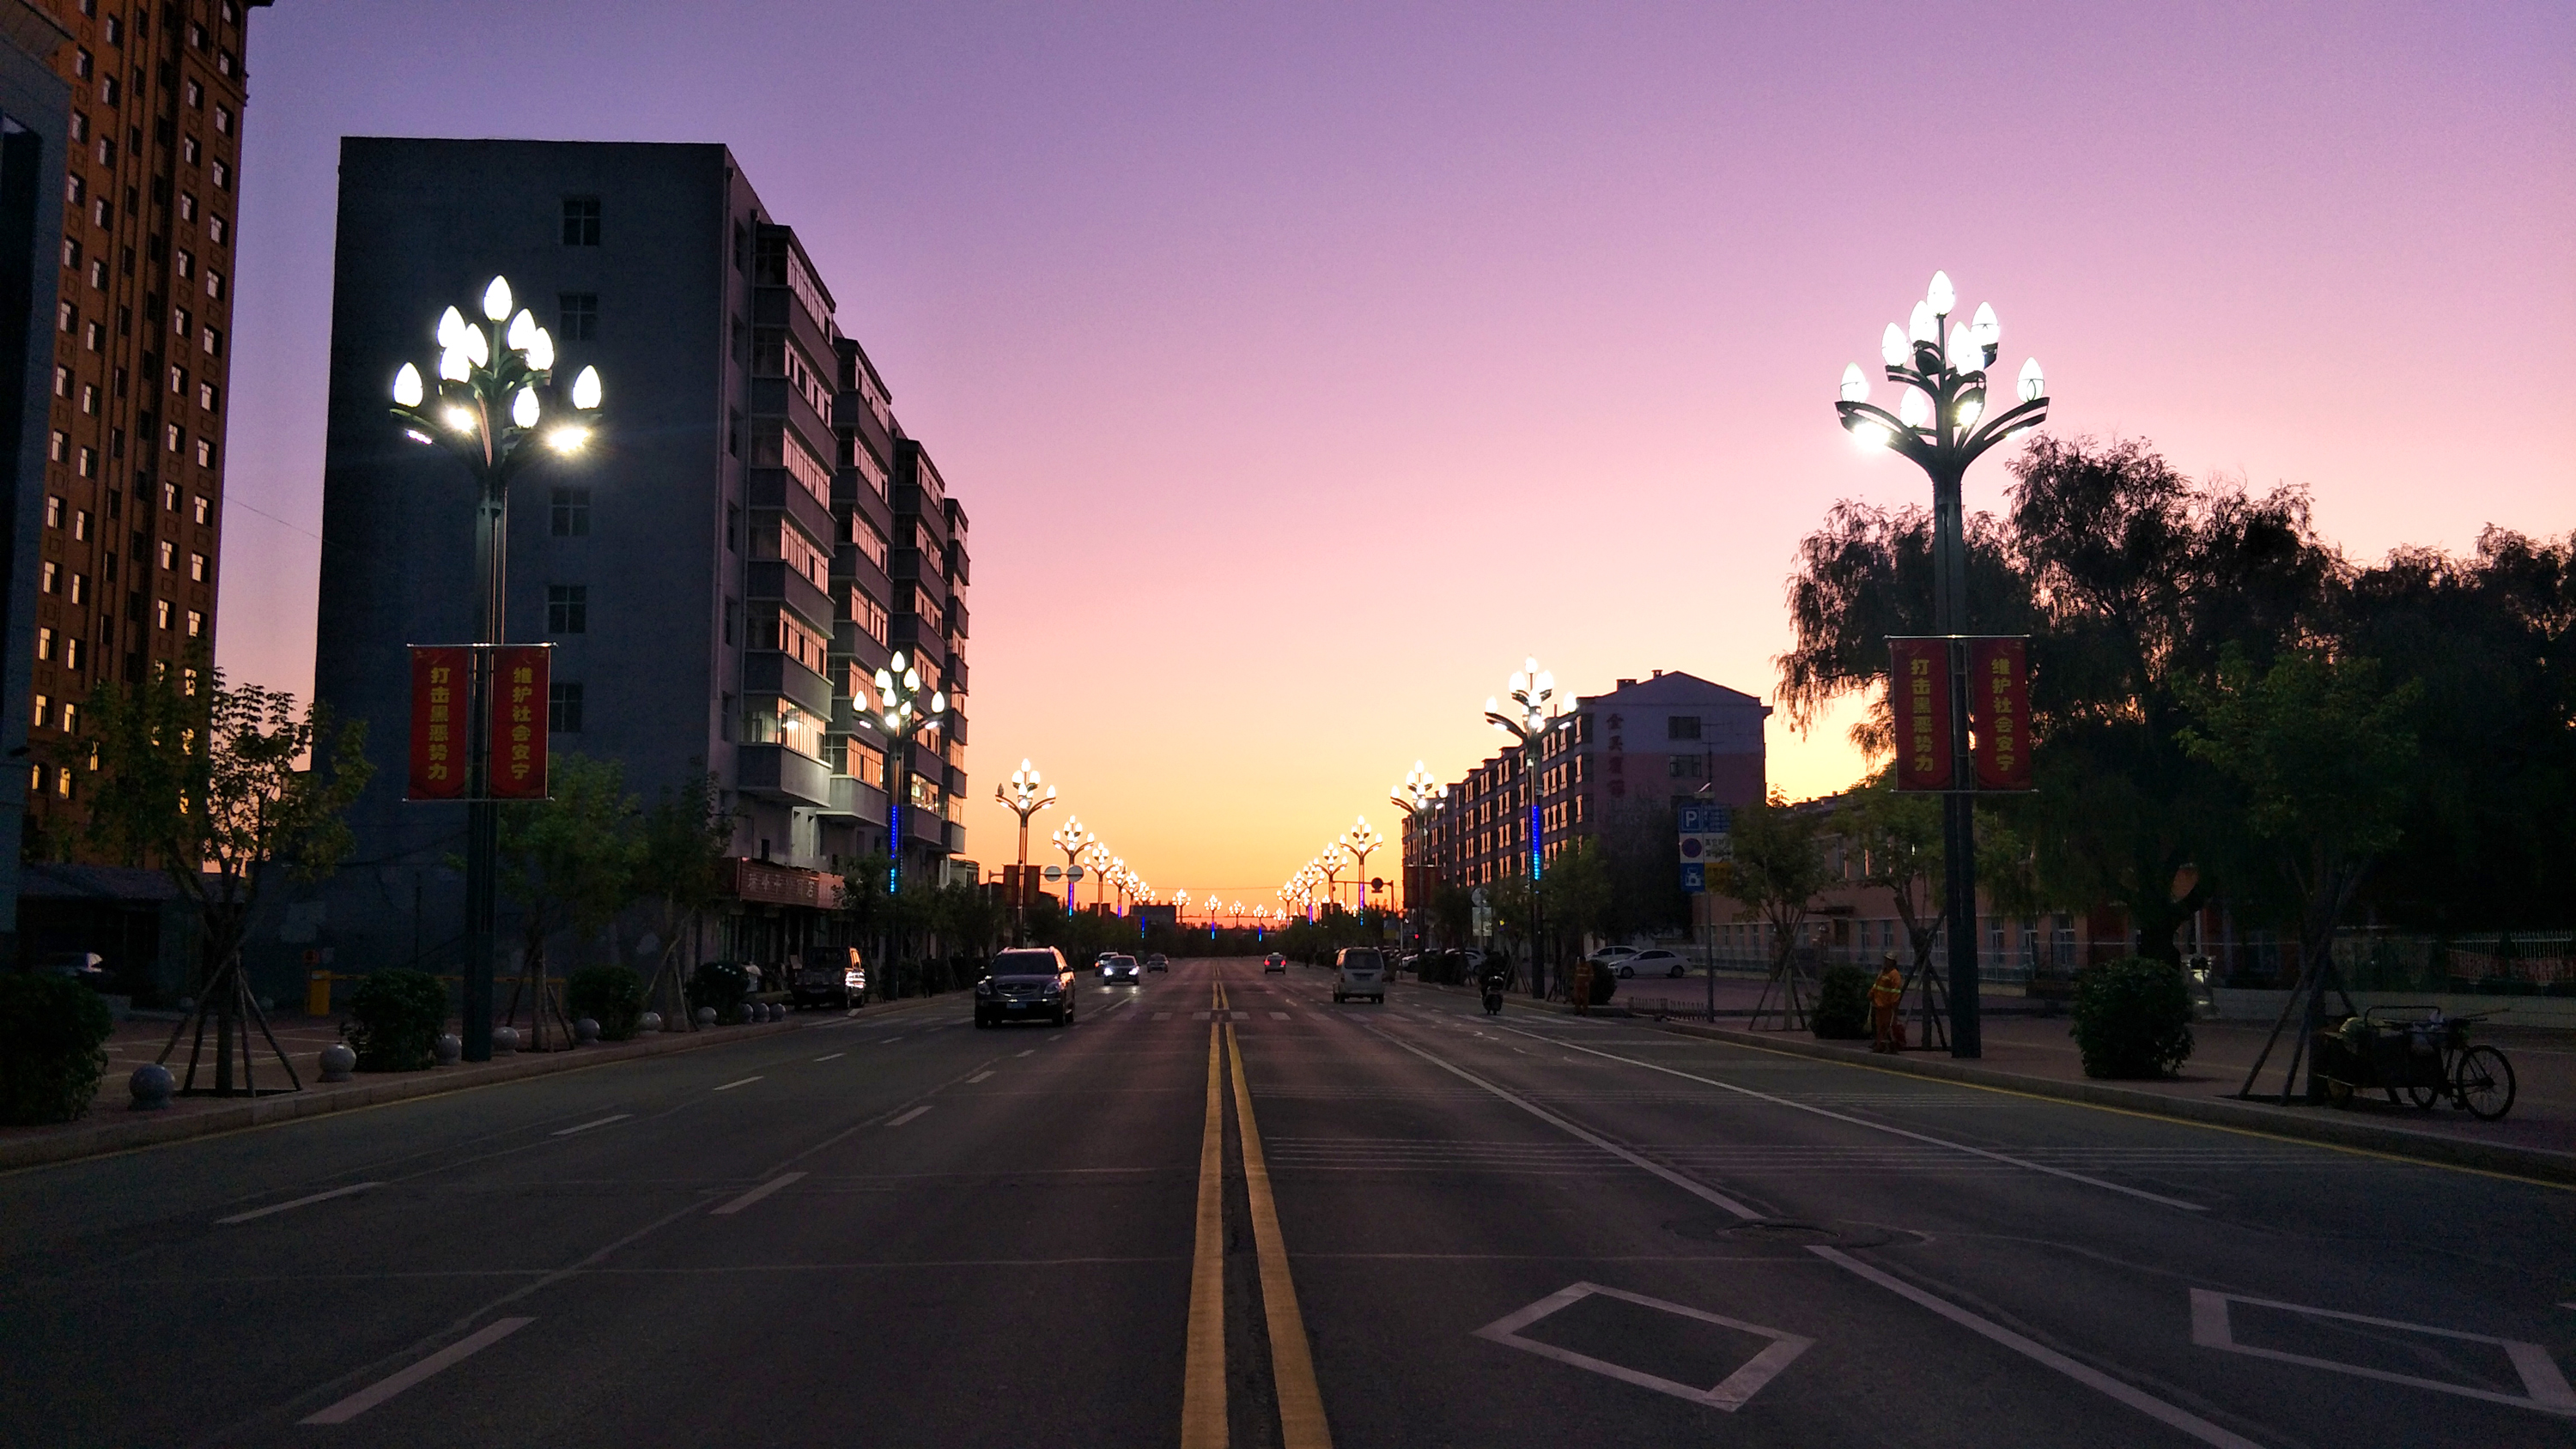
1941, 297
585, 389
1893, 347
540, 350
523, 330
455, 366
2032, 385
496, 299
568, 439
1855, 384
458, 418
523, 408
407, 386
451, 328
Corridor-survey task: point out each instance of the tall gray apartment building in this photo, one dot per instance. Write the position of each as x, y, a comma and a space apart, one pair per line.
747, 541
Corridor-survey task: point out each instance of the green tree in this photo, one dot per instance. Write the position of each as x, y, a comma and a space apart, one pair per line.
210, 781
679, 864
1577, 890
1778, 869
2325, 756
568, 861
1898, 839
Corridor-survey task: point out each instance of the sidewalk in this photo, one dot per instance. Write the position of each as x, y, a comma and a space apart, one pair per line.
2027, 1052
112, 1124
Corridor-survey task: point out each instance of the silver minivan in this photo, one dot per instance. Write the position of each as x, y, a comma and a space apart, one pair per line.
1360, 971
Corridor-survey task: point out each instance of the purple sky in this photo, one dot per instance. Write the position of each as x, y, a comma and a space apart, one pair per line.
1301, 370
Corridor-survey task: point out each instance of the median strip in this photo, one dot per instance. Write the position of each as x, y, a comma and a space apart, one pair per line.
1203, 1424
1292, 1360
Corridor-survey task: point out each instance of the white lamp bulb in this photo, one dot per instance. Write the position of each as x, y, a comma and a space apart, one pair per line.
1941, 296
451, 328
2033, 387
585, 389
1922, 327
523, 408
1915, 409
540, 350
523, 329
496, 299
407, 388
1892, 346
454, 365
1855, 385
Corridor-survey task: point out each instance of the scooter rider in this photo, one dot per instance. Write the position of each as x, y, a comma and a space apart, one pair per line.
1493, 978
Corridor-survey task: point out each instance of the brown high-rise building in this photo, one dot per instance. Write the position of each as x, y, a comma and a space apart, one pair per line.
133, 490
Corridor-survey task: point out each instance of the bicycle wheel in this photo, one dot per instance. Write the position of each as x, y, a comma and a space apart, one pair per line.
2424, 1097
2484, 1083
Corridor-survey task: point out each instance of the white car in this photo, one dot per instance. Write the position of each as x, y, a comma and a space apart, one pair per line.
1654, 963
1612, 956
1360, 971
1119, 968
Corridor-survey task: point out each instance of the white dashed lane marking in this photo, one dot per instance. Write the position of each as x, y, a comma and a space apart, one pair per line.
908, 1116
729, 1086
586, 1126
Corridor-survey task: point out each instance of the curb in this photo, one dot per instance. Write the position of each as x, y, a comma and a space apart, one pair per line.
2557, 1168
141, 1130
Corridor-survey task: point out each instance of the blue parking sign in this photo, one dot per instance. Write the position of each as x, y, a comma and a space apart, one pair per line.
1695, 877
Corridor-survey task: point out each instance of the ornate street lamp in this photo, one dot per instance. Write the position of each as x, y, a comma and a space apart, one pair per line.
1359, 840
1021, 798
1528, 720
493, 399
1073, 840
1942, 425
1417, 795
900, 718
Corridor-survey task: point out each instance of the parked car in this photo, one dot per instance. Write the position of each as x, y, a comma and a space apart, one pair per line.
1611, 956
830, 975
1654, 963
1274, 962
87, 967
1360, 971
1155, 961
1024, 985
1120, 968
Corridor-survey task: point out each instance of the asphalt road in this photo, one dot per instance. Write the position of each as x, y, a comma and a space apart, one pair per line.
1438, 1229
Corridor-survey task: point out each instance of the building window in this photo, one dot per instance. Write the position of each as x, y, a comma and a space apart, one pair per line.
563, 709
59, 446
567, 608
209, 397
577, 316
98, 274
187, 206
195, 93
71, 720
223, 175
178, 380
197, 568
216, 230
187, 149
80, 126
733, 430
92, 334
79, 593
571, 513
224, 119
44, 643
205, 453
89, 399
581, 221
212, 339
48, 575
62, 382
53, 510
1681, 727
172, 437
214, 284
161, 613
169, 497
1683, 767
88, 462
169, 554
66, 316
83, 64
205, 508
44, 711
196, 624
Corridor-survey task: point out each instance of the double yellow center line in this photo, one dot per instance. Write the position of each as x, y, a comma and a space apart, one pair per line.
1292, 1362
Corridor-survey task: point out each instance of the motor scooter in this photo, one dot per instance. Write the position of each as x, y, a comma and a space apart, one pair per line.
1493, 995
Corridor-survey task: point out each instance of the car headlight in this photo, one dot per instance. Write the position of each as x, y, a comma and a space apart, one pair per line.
984, 988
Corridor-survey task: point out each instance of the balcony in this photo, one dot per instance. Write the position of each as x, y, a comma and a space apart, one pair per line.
855, 799
771, 580
773, 489
767, 671
775, 772
775, 397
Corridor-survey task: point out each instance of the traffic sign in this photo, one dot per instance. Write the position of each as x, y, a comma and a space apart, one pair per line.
1073, 872
1054, 872
1694, 877
1706, 847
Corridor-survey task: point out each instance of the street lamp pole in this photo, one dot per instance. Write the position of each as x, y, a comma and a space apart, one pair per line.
899, 718
1021, 798
494, 395
1942, 426
1532, 689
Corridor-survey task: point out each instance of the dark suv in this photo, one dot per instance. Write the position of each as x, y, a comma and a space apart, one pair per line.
1025, 985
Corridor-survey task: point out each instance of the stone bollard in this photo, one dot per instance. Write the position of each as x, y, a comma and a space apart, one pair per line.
706, 1016
765, 1012
448, 1049
338, 1062
650, 1021
585, 1030
151, 1085
504, 1039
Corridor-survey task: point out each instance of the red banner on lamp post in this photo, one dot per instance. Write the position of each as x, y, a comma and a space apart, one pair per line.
1918, 697
518, 705
1999, 712
441, 683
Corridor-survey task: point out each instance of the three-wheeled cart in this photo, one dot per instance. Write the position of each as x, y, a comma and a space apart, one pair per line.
2418, 1051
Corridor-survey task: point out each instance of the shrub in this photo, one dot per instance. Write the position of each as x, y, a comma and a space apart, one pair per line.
723, 985
394, 1019
610, 995
52, 1031
1605, 984
1842, 1004
2132, 1019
